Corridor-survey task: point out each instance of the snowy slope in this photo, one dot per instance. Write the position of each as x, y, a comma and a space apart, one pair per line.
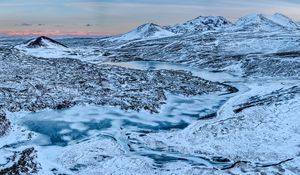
146, 31
201, 23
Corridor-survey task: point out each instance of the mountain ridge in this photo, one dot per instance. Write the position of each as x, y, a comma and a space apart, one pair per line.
253, 22
201, 23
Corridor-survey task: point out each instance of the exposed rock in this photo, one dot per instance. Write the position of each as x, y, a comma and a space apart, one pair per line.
23, 163
4, 124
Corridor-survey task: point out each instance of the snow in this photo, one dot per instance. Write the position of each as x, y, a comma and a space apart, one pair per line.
260, 135
146, 31
85, 54
249, 140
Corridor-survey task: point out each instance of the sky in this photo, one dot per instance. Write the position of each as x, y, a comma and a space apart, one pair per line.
111, 17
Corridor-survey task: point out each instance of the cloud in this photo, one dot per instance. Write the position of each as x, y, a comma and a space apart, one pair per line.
30, 24
88, 25
26, 24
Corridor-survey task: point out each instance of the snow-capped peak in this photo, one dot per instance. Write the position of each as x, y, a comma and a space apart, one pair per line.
44, 47
283, 20
260, 22
145, 31
44, 42
201, 23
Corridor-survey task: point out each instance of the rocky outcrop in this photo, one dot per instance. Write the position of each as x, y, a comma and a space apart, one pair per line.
4, 124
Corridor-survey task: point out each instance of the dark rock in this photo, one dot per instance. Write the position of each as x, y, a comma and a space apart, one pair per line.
220, 160
4, 124
24, 163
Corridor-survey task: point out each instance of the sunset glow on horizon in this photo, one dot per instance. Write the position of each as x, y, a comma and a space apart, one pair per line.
52, 34
104, 18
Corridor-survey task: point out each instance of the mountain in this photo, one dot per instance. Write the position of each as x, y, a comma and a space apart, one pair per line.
283, 20
146, 31
260, 22
44, 47
201, 23
254, 22
44, 42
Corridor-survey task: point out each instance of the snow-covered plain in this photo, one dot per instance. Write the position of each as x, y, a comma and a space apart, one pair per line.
138, 104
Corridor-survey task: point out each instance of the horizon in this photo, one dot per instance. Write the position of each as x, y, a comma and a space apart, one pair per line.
102, 18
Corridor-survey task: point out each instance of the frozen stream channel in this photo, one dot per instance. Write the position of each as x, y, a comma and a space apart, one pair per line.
61, 128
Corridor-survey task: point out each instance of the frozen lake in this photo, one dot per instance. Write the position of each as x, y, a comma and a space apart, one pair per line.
61, 128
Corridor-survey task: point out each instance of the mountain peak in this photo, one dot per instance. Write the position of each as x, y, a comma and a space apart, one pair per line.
145, 31
283, 21
210, 19
148, 27
201, 23
44, 42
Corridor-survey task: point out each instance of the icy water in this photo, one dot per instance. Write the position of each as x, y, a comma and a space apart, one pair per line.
69, 126
65, 126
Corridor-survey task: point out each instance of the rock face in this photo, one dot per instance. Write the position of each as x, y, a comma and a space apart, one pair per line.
200, 24
44, 42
